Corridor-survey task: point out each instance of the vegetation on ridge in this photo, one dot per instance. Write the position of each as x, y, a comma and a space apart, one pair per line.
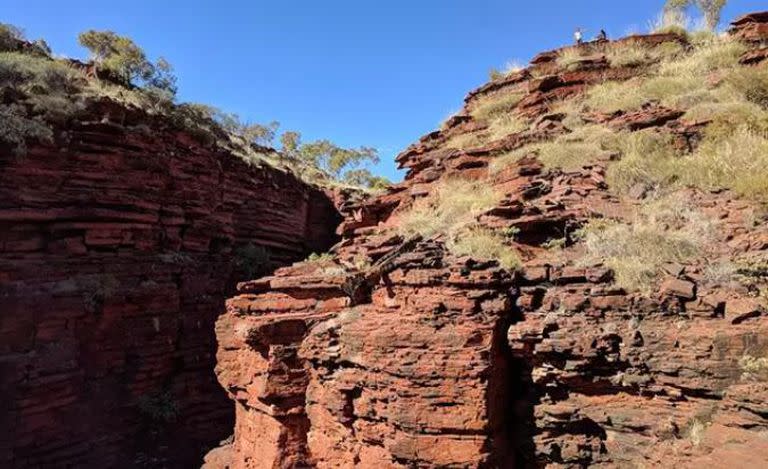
719, 143
49, 92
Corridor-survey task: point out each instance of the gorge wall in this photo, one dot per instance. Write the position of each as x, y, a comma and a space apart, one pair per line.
398, 353
118, 245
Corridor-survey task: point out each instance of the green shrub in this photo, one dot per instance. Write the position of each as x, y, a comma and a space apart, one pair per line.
38, 74
481, 243
127, 61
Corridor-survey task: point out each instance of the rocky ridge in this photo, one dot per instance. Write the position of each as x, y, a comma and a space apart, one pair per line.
397, 353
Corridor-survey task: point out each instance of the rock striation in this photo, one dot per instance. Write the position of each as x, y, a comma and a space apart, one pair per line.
118, 245
396, 353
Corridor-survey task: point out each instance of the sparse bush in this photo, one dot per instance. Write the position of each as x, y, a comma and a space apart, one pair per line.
481, 243
16, 129
37, 74
753, 369
719, 272
451, 205
364, 178
320, 258
668, 230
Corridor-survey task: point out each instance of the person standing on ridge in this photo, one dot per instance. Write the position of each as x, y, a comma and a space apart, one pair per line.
602, 35
578, 36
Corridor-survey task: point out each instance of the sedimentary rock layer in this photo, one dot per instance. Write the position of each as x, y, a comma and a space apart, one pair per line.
118, 245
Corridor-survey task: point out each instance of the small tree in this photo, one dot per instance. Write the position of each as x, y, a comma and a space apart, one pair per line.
711, 9
260, 134
364, 178
127, 61
290, 142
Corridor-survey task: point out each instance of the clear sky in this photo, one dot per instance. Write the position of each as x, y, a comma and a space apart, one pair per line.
368, 72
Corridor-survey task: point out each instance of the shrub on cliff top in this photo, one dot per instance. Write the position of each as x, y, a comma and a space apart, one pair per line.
127, 61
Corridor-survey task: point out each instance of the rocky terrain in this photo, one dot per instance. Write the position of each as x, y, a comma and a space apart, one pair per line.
568, 346
119, 241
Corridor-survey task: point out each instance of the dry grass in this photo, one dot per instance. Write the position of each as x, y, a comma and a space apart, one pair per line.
569, 58
572, 151
666, 230
505, 125
494, 106
451, 205
738, 161
753, 369
751, 82
481, 243
467, 140
681, 81
647, 157
634, 53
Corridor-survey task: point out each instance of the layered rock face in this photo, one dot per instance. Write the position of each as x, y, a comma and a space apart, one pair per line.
118, 245
397, 353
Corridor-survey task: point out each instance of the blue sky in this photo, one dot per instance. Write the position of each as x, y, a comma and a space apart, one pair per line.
376, 73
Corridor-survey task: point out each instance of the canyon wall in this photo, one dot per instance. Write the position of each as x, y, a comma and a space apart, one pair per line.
118, 245
416, 357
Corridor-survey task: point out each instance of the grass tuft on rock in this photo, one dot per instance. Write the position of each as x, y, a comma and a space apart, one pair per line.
663, 231
482, 243
453, 203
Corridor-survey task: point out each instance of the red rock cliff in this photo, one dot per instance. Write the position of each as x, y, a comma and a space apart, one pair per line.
118, 245
428, 359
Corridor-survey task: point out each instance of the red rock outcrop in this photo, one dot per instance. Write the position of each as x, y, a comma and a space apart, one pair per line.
118, 245
396, 353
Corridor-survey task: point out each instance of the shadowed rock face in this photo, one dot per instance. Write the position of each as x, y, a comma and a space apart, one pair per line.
118, 245
445, 361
